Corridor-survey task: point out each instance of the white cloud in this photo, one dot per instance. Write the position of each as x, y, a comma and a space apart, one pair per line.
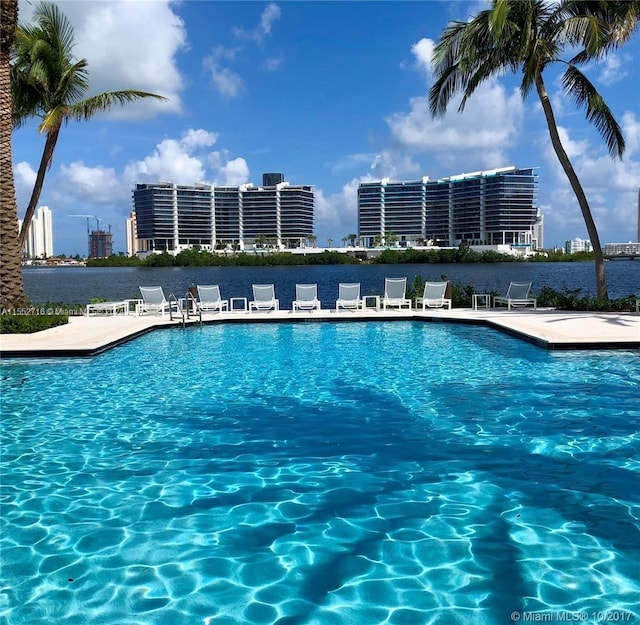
394, 165
476, 139
423, 52
108, 36
226, 81
631, 131
174, 160
611, 71
268, 17
611, 185
187, 160
336, 216
273, 63
232, 173
351, 161
25, 175
94, 185
200, 138
24, 179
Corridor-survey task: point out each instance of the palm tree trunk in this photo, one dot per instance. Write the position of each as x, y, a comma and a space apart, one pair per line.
45, 162
601, 283
11, 286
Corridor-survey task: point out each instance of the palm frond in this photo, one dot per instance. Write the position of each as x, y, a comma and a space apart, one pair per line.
499, 16
586, 96
598, 25
465, 56
53, 119
86, 109
446, 85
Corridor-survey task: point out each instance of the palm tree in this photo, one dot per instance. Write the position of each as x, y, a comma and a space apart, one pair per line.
11, 286
47, 82
529, 36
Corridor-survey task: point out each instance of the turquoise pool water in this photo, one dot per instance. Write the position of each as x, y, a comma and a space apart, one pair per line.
321, 474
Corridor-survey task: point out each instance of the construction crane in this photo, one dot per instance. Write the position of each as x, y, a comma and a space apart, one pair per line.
88, 218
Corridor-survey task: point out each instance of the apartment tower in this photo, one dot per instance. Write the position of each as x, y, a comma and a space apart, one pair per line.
495, 207
171, 217
39, 242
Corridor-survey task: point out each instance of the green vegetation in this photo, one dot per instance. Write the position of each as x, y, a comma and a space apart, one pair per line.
28, 324
461, 254
566, 299
570, 299
561, 257
199, 258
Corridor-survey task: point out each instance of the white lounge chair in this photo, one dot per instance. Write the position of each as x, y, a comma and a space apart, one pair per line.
434, 296
349, 296
517, 295
209, 299
264, 298
153, 301
394, 293
306, 297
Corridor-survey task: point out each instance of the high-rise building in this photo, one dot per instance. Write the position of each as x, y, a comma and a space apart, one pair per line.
537, 236
100, 244
170, 217
131, 234
39, 243
494, 207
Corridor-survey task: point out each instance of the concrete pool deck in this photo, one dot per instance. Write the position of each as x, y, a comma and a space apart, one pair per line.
547, 328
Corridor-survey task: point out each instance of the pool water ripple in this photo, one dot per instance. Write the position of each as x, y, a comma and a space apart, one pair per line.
317, 474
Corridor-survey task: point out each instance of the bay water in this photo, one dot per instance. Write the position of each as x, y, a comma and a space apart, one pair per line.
78, 285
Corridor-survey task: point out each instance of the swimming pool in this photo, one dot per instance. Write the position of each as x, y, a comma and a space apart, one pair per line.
321, 474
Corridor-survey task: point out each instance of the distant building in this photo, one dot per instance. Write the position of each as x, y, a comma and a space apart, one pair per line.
171, 217
131, 234
537, 232
577, 245
39, 243
622, 249
496, 207
100, 244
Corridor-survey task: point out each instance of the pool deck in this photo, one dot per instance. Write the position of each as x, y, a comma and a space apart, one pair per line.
547, 328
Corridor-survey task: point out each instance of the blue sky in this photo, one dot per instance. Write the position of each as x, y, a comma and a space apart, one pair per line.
330, 94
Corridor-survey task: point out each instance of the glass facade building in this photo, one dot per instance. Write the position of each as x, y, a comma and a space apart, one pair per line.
170, 217
494, 207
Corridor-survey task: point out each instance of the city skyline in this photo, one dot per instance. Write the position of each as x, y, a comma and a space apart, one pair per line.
258, 87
